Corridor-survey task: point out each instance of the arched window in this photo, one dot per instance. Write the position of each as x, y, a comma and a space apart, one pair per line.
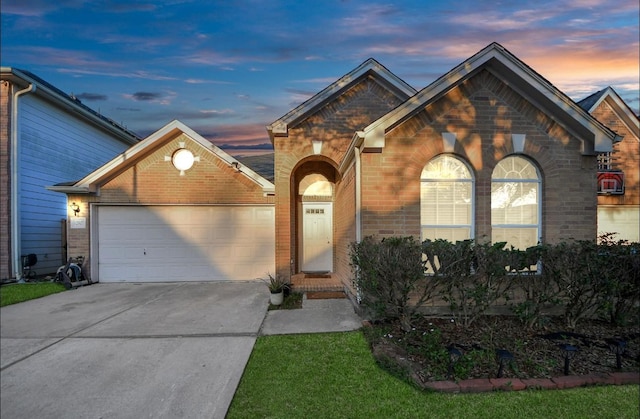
515, 203
446, 199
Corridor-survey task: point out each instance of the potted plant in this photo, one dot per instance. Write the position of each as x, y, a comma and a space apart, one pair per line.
276, 286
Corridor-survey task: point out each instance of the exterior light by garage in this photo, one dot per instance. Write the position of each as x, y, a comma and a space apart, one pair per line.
183, 160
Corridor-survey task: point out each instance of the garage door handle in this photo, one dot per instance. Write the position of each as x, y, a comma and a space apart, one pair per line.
145, 251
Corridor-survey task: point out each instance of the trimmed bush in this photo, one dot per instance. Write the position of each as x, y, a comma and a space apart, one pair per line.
389, 273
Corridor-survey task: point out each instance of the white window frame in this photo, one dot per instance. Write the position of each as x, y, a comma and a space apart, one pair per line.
471, 180
537, 181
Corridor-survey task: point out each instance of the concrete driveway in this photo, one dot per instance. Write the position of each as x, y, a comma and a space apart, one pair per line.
129, 350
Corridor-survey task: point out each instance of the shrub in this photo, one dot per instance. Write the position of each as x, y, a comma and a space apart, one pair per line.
389, 273
541, 289
621, 279
473, 276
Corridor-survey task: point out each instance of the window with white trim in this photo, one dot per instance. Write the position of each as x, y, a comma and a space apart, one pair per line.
446, 199
604, 161
515, 203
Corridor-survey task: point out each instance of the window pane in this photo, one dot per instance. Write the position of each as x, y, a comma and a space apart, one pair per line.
445, 167
515, 202
446, 199
446, 203
515, 167
520, 238
451, 234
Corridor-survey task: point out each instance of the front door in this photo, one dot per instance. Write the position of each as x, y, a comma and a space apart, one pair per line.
317, 237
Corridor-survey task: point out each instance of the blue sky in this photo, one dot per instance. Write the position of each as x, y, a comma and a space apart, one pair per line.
228, 68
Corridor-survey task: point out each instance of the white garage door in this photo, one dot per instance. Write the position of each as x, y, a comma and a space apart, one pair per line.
185, 243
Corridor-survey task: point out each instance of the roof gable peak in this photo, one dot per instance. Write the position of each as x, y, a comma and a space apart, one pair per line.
369, 67
498, 60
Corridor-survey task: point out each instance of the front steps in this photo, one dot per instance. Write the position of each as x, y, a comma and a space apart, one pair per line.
317, 286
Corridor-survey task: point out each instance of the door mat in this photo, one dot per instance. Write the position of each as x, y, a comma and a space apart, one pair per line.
324, 295
317, 275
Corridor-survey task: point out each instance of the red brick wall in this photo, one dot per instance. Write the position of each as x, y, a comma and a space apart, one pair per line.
334, 124
5, 180
344, 224
484, 113
625, 157
154, 181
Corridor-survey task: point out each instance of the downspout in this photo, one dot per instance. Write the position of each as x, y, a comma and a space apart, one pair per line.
358, 212
15, 192
358, 197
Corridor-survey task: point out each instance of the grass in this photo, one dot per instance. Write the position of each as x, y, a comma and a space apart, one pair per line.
334, 375
17, 293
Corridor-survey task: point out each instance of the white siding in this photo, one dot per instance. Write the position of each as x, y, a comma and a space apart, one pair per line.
624, 220
54, 146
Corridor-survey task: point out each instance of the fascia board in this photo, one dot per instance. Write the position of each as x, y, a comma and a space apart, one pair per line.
68, 189
356, 141
114, 164
626, 115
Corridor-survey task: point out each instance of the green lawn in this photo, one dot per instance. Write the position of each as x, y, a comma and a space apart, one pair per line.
17, 293
334, 375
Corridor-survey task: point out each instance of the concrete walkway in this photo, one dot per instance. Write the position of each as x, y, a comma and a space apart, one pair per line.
142, 350
315, 316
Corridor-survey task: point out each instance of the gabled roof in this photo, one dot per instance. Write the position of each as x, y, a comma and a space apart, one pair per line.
495, 58
97, 178
72, 104
619, 106
369, 67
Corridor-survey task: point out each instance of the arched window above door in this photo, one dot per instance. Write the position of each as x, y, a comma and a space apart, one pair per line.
315, 185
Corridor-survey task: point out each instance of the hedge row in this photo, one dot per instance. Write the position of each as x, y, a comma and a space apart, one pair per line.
397, 276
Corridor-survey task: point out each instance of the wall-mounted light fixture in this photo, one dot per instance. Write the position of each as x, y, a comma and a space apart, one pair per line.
182, 159
75, 208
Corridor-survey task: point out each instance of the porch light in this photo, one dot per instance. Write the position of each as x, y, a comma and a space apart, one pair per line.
75, 208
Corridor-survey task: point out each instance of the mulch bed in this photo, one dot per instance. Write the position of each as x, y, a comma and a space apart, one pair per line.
422, 353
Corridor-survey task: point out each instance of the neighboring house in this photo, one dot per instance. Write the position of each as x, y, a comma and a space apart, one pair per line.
46, 137
618, 170
174, 207
491, 150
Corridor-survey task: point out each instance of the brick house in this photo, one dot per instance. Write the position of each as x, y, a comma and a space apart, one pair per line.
618, 170
491, 150
46, 137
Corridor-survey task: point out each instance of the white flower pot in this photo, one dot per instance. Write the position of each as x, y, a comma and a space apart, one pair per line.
276, 298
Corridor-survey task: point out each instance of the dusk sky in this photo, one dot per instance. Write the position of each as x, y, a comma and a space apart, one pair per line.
228, 68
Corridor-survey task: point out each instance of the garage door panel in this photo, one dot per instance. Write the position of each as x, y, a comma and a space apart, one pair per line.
168, 243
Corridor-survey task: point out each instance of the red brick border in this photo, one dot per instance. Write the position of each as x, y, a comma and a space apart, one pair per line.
480, 385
